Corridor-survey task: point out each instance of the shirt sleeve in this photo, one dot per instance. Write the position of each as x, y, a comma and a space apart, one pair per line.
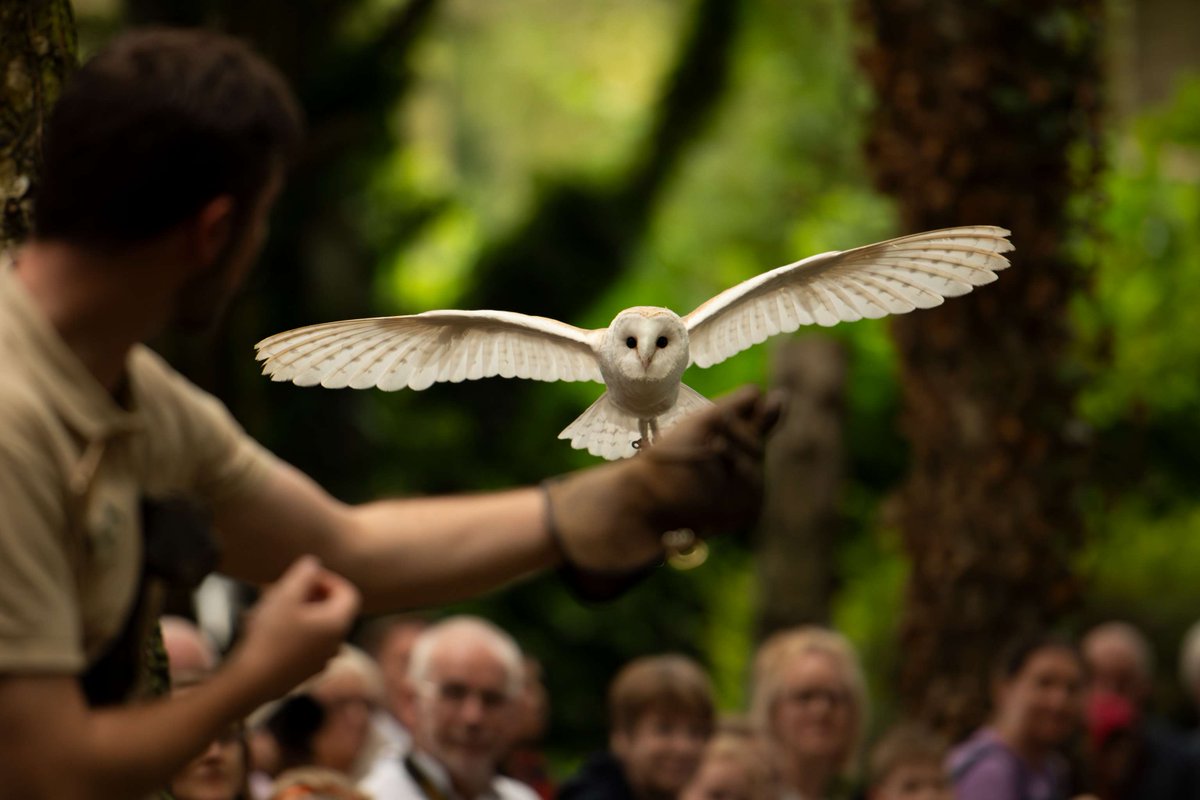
40, 625
196, 445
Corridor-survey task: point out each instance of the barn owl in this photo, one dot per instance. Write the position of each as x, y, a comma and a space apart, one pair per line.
641, 356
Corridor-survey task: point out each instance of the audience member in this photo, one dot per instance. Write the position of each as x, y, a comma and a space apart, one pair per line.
735, 766
390, 640
1157, 761
464, 679
349, 690
810, 701
315, 783
281, 738
908, 763
1113, 745
526, 762
1037, 700
1189, 664
191, 655
220, 771
661, 715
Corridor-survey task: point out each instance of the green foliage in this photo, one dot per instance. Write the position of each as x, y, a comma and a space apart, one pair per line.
510, 111
1143, 398
775, 177
1146, 285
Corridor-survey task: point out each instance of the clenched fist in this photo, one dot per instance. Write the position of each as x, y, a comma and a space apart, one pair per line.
296, 627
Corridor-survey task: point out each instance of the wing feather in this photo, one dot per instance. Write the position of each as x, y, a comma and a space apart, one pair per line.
419, 350
892, 277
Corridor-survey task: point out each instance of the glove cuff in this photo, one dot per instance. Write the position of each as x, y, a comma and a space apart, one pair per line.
585, 584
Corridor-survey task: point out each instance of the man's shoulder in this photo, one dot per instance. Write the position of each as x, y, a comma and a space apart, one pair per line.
24, 419
170, 404
156, 380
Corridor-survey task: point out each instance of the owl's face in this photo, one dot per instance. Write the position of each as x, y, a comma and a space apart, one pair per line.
647, 344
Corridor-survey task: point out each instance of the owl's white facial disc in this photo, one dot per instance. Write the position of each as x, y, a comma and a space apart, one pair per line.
648, 344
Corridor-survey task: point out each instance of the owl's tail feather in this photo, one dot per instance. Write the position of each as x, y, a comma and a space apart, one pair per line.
609, 432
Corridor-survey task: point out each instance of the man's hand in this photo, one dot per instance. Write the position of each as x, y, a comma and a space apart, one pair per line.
53, 745
704, 474
296, 627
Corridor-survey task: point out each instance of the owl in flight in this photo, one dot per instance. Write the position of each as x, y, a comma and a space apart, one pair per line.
641, 356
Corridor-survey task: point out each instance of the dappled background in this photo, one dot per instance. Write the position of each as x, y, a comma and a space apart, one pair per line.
573, 159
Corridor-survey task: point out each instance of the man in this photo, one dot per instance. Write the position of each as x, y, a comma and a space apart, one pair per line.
1136, 756
464, 685
160, 165
219, 772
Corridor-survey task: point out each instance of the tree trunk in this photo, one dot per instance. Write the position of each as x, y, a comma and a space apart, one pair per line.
37, 52
983, 110
806, 469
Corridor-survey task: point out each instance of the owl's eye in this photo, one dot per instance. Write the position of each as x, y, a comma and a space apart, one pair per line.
661, 342
631, 342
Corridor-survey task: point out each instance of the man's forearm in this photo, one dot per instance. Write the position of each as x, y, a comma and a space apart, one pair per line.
53, 745
412, 552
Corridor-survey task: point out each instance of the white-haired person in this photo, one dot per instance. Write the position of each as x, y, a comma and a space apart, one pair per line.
465, 679
810, 700
1157, 763
219, 772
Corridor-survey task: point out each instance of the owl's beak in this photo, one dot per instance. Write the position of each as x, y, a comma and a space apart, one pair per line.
646, 355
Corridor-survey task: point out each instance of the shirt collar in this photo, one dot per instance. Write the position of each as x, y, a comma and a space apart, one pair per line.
81, 401
432, 769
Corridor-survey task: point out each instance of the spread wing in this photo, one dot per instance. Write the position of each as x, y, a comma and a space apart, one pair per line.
422, 349
891, 277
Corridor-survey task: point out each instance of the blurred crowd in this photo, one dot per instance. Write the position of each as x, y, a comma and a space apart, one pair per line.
454, 710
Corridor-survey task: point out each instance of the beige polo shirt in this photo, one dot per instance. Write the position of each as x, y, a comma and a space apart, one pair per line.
74, 465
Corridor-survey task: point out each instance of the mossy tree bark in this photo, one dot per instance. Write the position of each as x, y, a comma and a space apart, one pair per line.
37, 52
986, 114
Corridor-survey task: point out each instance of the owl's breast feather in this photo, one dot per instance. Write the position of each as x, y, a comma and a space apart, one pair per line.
644, 398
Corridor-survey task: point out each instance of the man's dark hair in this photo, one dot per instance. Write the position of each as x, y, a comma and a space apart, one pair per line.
155, 126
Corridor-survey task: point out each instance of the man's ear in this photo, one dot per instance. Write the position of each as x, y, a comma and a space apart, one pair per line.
210, 230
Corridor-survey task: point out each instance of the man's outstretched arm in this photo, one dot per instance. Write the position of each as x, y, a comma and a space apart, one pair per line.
706, 473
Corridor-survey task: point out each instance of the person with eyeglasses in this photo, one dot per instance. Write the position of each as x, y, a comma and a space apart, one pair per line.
349, 690
810, 702
464, 683
220, 771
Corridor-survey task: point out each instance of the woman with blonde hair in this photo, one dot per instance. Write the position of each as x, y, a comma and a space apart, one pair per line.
810, 701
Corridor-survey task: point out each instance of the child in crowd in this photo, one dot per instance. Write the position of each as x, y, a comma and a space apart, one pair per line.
908, 764
661, 716
735, 766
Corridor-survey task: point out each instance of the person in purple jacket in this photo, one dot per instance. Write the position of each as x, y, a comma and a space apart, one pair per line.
1037, 708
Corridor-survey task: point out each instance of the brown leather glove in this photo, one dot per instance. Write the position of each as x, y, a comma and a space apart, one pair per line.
705, 473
